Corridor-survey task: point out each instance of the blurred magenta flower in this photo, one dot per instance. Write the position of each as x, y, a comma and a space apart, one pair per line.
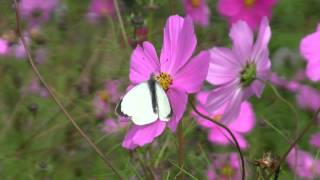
242, 125
315, 140
251, 11
113, 125
37, 12
176, 72
235, 72
303, 164
4, 47
198, 11
224, 167
104, 98
308, 98
100, 9
309, 48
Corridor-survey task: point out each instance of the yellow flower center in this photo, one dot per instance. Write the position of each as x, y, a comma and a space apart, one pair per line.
195, 3
165, 80
104, 95
249, 3
227, 171
217, 117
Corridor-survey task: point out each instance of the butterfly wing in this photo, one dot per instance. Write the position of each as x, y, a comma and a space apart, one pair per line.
137, 104
163, 104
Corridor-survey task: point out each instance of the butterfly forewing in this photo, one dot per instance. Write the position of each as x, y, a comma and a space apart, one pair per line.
137, 104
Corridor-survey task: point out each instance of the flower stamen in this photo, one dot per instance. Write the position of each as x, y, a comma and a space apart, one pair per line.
249, 3
248, 75
195, 3
165, 80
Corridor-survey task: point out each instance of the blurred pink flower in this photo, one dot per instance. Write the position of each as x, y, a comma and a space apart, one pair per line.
177, 73
224, 167
234, 72
315, 140
242, 125
251, 11
198, 11
36, 88
103, 99
308, 98
303, 164
37, 12
309, 48
113, 125
100, 9
4, 47
292, 86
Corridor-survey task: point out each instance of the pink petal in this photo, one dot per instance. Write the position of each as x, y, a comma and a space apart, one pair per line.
242, 38
312, 70
219, 96
229, 7
246, 119
260, 49
309, 47
178, 101
233, 108
201, 99
191, 76
141, 135
144, 62
222, 137
198, 14
179, 42
248, 16
315, 140
223, 67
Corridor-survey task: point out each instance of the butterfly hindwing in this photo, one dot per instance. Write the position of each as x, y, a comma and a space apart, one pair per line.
163, 104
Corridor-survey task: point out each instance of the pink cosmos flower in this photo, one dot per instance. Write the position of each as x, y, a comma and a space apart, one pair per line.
303, 164
224, 167
235, 72
309, 48
37, 12
251, 11
176, 71
4, 47
315, 140
242, 125
308, 98
113, 125
198, 11
100, 9
110, 94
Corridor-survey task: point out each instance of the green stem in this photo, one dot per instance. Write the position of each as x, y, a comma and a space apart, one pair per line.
180, 150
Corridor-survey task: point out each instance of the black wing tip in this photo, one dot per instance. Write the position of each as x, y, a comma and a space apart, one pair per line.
118, 110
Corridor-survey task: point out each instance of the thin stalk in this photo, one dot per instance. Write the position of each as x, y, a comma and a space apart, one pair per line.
180, 149
123, 30
53, 96
243, 174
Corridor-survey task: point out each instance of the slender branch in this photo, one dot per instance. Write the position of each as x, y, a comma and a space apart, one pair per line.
231, 134
53, 96
294, 143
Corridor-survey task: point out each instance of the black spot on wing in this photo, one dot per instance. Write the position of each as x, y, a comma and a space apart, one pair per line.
152, 89
118, 110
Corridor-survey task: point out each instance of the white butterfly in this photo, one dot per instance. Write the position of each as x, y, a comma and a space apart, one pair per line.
145, 103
